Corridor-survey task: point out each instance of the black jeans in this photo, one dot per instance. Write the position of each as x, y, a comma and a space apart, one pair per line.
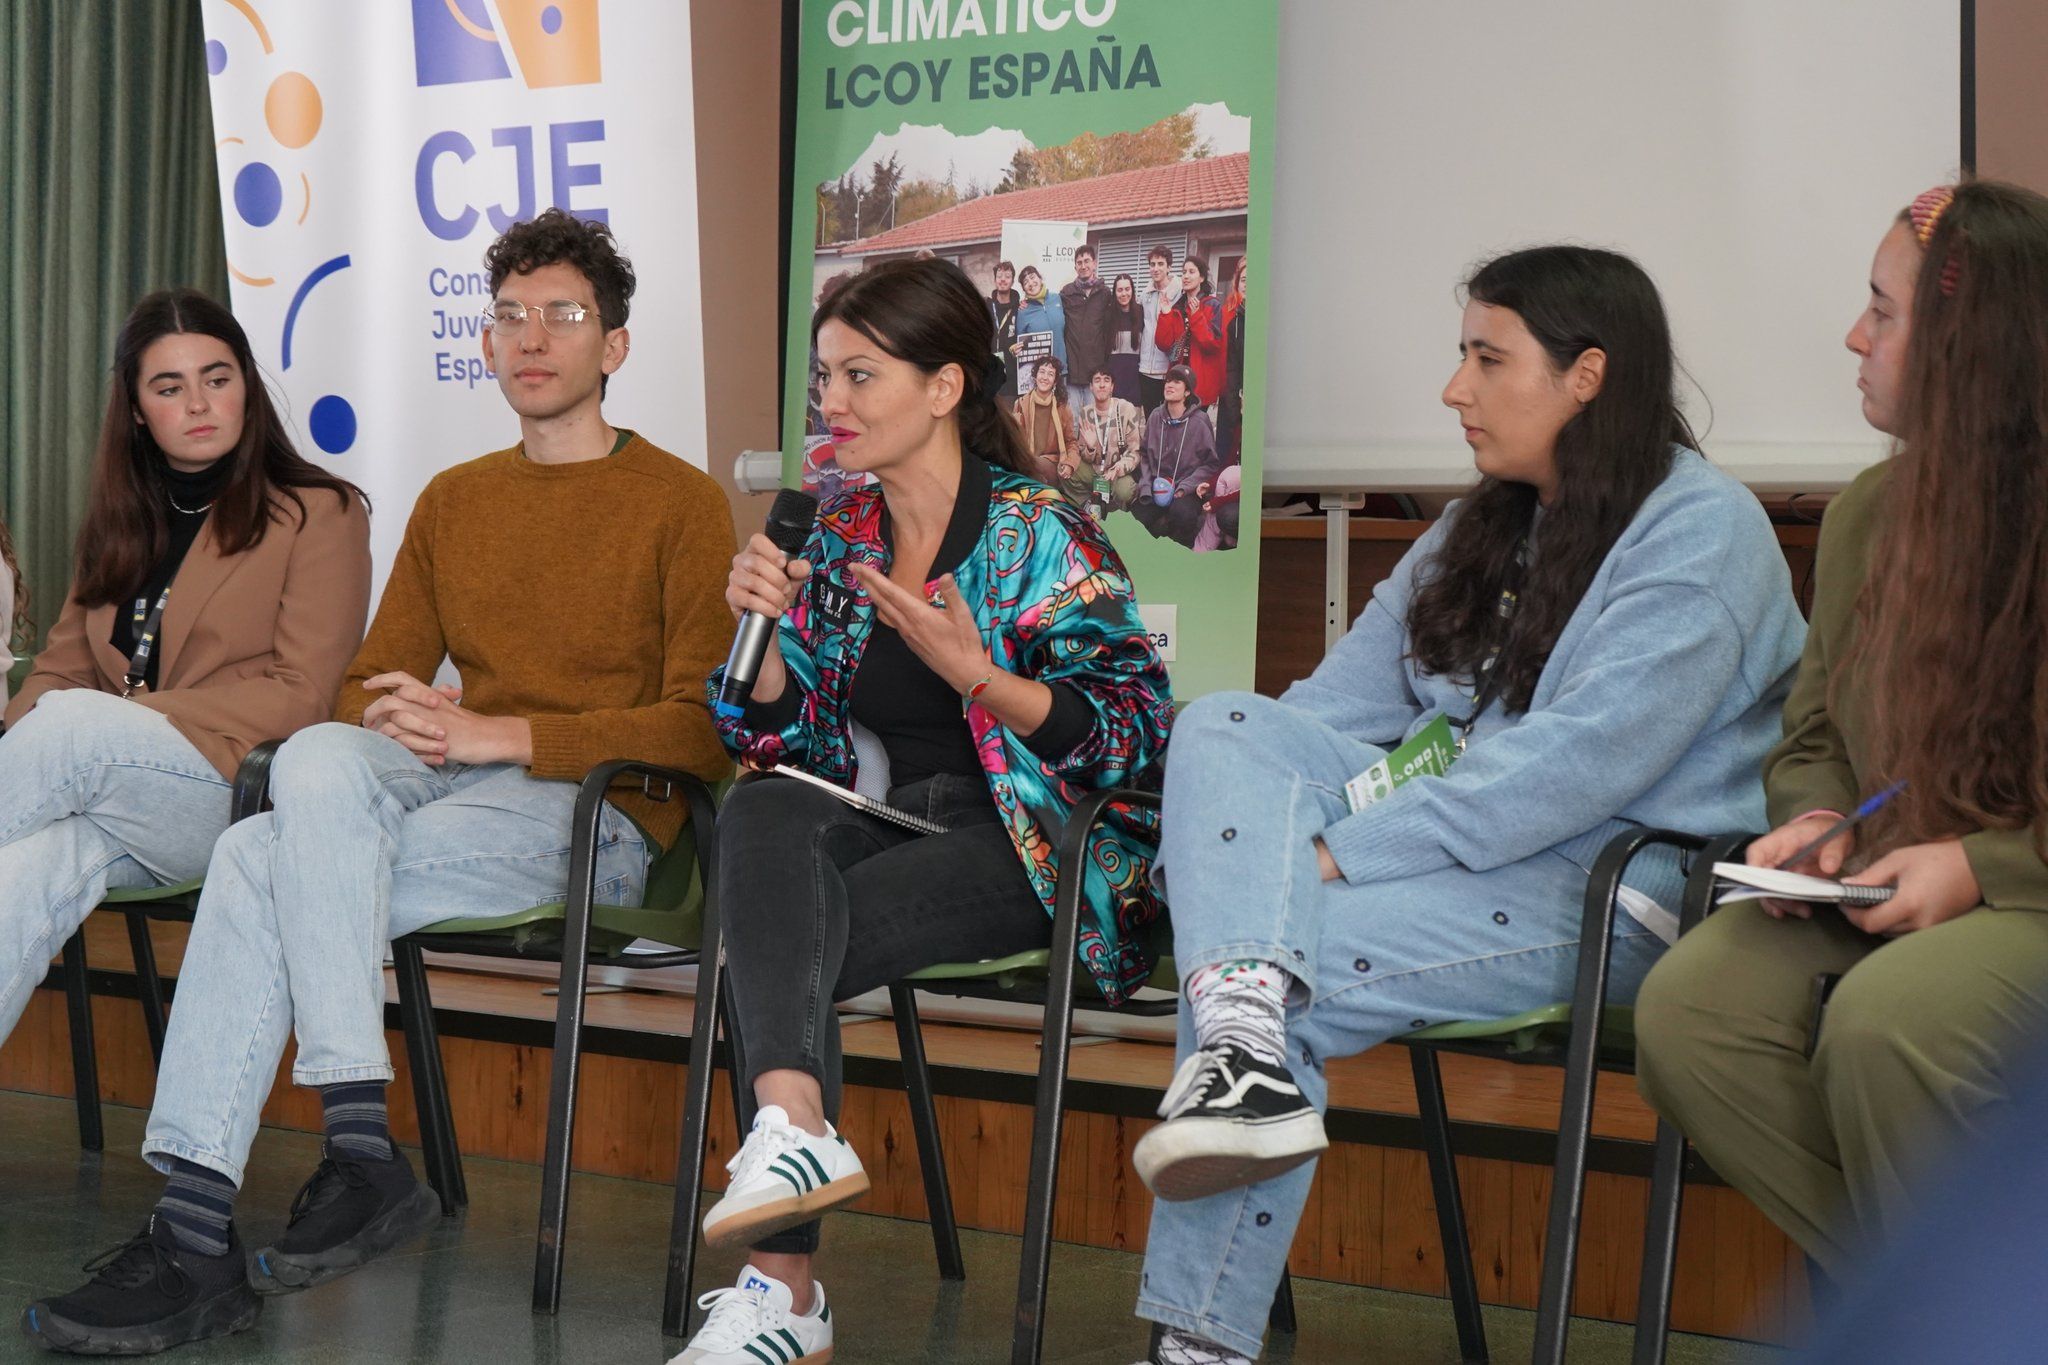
821, 903
1178, 521
1151, 392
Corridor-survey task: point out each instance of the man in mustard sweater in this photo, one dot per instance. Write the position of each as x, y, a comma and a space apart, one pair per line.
575, 582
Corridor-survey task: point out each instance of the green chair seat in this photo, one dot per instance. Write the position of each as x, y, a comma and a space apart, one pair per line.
1005, 971
673, 882
184, 893
1020, 968
1531, 1029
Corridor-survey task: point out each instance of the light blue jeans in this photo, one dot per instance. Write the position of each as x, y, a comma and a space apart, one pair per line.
366, 844
96, 793
1244, 799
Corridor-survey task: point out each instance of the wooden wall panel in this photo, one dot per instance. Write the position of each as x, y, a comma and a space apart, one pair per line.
1370, 1219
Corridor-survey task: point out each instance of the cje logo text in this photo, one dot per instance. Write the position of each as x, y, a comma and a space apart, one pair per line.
565, 176
916, 21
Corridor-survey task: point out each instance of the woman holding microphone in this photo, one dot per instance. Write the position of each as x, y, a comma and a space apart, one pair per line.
983, 633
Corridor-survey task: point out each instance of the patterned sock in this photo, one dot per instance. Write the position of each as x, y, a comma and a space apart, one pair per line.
199, 1205
356, 1120
1185, 1348
1242, 1003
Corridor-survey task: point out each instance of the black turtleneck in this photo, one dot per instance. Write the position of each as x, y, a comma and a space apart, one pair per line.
912, 710
185, 511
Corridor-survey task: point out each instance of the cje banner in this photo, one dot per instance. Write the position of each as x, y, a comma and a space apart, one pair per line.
1103, 172
368, 155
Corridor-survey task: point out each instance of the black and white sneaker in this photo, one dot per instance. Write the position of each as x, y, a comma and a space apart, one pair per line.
1231, 1120
147, 1295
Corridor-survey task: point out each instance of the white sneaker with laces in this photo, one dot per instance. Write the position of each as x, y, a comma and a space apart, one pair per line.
782, 1176
751, 1324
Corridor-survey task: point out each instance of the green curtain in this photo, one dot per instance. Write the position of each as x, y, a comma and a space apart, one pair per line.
108, 190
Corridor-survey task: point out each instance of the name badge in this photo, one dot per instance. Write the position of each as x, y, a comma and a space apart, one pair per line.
1429, 754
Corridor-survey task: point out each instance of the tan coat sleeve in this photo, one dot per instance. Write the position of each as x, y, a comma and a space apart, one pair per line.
319, 624
65, 661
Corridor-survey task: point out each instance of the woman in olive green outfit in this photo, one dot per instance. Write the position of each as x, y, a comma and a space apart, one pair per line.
1925, 662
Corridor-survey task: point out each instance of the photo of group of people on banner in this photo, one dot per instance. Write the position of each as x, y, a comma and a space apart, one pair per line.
1126, 353
1131, 397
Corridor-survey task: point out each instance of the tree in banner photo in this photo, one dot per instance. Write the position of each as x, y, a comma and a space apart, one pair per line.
1102, 173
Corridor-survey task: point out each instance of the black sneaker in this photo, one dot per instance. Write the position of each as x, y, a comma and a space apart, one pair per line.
1231, 1120
147, 1295
351, 1211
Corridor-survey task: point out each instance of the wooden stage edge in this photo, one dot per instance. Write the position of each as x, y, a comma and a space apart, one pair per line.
1370, 1218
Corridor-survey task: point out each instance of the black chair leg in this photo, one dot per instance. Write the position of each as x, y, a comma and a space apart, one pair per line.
439, 1149
924, 1121
712, 1008
1450, 1204
1280, 1317
1034, 1263
1575, 1113
85, 1070
1027, 1338
149, 982
568, 1059
1034, 1268
555, 1166
1660, 1247
711, 1011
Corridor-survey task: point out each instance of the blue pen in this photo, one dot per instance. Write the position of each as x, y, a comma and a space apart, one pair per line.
1861, 813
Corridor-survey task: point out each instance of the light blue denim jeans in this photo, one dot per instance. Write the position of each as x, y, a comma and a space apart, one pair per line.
96, 792
365, 844
1250, 783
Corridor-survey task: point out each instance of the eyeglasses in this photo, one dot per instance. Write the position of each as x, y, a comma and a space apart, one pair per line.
559, 316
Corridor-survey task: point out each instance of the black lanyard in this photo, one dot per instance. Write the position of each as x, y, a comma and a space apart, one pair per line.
1490, 681
145, 645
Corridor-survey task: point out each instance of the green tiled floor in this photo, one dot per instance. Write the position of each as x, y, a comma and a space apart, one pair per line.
462, 1294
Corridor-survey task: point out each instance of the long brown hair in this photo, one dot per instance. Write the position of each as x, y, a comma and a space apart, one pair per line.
930, 314
1951, 647
22, 627
126, 530
1610, 457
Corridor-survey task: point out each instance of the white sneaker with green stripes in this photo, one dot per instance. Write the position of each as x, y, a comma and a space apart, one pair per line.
751, 1324
782, 1176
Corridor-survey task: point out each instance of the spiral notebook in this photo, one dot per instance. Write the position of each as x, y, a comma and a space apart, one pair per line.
880, 810
1741, 882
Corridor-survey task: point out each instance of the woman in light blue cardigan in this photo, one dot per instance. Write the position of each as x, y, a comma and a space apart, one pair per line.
1608, 625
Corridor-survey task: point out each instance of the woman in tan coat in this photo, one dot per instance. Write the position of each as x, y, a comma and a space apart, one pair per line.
220, 588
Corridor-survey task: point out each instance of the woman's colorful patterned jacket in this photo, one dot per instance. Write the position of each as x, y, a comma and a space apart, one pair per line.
1054, 604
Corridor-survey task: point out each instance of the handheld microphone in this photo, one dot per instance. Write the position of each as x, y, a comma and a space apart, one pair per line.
789, 525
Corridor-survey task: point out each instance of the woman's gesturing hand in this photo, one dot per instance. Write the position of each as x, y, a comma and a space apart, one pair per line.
945, 637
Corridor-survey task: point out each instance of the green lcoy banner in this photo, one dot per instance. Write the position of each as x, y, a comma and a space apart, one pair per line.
993, 132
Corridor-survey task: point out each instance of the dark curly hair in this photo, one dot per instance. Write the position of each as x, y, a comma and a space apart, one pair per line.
1610, 458
558, 237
